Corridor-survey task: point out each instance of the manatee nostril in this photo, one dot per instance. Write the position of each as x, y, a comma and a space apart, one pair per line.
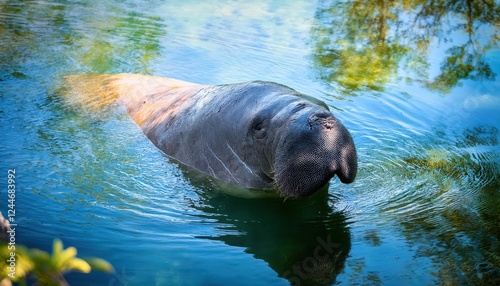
322, 118
328, 122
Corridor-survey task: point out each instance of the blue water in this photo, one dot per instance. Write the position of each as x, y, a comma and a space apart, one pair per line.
424, 208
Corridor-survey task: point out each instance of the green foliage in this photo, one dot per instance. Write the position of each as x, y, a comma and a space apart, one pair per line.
48, 268
23, 266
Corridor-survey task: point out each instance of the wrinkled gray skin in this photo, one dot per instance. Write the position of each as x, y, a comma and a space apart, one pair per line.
258, 135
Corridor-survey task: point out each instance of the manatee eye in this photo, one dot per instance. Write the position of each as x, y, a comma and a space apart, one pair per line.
259, 129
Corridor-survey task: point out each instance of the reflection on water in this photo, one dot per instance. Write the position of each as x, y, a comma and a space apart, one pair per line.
132, 40
464, 213
304, 241
423, 210
93, 36
364, 45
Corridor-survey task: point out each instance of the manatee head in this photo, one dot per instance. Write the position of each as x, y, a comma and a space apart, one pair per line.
301, 146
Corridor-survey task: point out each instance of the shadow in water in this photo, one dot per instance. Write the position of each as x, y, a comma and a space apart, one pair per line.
364, 45
305, 241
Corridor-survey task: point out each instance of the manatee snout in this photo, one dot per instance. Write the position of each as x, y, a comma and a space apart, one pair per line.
314, 147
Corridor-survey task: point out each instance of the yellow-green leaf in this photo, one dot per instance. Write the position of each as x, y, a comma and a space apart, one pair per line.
65, 256
99, 264
77, 264
57, 248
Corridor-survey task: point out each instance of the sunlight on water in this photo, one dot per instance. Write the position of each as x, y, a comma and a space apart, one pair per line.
415, 83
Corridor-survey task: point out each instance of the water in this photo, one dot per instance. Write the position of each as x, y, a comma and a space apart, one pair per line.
416, 84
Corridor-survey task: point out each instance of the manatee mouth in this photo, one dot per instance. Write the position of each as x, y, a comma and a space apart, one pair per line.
301, 180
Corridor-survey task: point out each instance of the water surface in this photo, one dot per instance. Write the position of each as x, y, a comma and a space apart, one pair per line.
415, 83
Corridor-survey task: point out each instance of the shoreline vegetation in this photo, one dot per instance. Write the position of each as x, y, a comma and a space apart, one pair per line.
20, 264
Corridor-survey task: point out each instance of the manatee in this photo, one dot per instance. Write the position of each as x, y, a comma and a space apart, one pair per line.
256, 135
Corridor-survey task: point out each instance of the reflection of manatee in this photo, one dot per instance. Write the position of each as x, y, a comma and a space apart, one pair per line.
258, 135
304, 241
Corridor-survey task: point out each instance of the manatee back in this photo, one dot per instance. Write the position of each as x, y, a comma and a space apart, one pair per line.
97, 91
